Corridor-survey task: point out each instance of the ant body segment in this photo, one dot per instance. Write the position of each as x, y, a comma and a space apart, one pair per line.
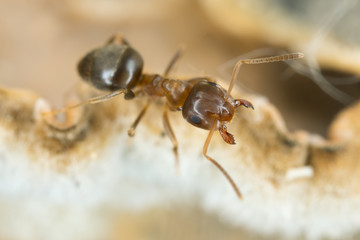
117, 67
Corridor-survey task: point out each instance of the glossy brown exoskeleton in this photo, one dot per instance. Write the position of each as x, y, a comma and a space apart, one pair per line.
207, 105
117, 67
112, 67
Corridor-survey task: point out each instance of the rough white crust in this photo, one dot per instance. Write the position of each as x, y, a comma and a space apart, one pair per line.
94, 167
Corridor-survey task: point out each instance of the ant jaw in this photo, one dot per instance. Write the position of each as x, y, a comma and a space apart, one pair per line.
228, 137
243, 102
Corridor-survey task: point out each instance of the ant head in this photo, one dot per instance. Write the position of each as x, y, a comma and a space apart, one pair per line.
206, 104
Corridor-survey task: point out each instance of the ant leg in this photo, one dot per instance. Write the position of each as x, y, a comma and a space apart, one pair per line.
131, 131
169, 132
174, 59
205, 148
94, 100
280, 58
117, 39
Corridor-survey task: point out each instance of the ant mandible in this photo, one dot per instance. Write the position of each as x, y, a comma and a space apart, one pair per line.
117, 67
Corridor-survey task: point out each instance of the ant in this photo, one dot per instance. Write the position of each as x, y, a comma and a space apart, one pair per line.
117, 67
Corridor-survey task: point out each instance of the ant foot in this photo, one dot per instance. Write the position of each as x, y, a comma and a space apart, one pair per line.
131, 132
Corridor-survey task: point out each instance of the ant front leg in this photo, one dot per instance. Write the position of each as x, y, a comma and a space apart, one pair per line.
170, 133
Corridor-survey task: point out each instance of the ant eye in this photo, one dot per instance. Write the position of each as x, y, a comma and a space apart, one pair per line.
212, 84
195, 119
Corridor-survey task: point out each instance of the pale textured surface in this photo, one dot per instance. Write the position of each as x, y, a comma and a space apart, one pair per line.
85, 184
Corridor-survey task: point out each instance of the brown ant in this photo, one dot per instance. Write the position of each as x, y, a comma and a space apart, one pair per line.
117, 67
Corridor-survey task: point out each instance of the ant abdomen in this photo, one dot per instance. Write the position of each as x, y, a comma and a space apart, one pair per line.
206, 103
112, 67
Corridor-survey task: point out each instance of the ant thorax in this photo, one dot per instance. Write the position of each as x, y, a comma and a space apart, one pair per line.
175, 91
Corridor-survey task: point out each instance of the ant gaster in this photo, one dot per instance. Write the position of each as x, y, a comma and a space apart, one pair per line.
117, 67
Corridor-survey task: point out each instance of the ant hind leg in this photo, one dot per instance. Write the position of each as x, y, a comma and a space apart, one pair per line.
93, 100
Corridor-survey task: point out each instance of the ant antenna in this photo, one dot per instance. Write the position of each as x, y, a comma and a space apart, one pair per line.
280, 58
226, 174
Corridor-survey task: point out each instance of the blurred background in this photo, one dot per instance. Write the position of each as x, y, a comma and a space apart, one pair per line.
42, 40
